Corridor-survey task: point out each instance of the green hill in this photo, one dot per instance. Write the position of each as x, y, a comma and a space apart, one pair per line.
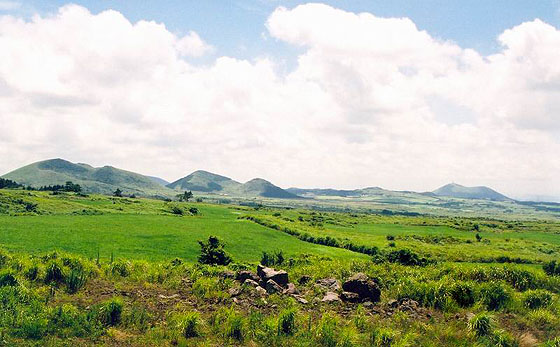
458, 191
260, 187
204, 181
104, 180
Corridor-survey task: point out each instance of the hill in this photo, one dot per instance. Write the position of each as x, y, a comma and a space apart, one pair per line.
458, 191
104, 180
260, 187
204, 181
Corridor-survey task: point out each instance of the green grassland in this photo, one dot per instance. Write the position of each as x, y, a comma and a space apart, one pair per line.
100, 270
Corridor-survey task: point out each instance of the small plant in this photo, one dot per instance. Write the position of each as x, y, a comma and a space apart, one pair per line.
495, 296
121, 268
390, 238
54, 273
383, 337
463, 293
189, 324
8, 279
480, 325
552, 268
235, 326
75, 280
212, 252
270, 259
533, 299
478, 237
110, 312
287, 322
502, 338
327, 331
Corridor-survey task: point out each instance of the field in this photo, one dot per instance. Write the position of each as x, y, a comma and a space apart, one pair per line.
90, 270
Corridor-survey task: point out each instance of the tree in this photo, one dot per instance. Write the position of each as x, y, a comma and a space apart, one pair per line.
185, 196
478, 237
212, 252
117, 193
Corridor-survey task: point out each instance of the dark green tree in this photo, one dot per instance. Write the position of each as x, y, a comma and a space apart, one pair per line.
117, 193
185, 196
213, 253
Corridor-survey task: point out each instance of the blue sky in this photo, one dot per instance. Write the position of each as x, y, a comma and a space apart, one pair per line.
235, 28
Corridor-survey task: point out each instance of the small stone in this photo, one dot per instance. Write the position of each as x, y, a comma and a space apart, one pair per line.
272, 287
228, 274
304, 279
242, 276
290, 289
368, 304
251, 283
330, 284
469, 316
300, 299
350, 297
234, 291
261, 291
393, 303
330, 297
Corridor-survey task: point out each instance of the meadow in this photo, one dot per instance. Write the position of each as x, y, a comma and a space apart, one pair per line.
99, 270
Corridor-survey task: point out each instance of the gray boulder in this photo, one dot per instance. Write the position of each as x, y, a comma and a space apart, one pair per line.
272, 287
330, 297
330, 284
350, 297
363, 286
267, 273
244, 275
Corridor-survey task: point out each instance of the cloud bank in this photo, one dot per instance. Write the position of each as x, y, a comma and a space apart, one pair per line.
371, 101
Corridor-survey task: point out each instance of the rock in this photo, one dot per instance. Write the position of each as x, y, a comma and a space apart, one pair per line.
393, 303
527, 340
469, 316
267, 273
228, 274
368, 304
234, 291
245, 275
304, 279
261, 291
272, 287
350, 297
290, 289
330, 297
330, 284
363, 286
300, 299
161, 296
250, 282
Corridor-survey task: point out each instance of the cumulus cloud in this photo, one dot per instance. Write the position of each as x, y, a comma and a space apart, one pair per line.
372, 101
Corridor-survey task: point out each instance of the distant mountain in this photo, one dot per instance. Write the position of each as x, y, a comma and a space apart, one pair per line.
204, 181
158, 180
458, 191
207, 182
260, 187
104, 180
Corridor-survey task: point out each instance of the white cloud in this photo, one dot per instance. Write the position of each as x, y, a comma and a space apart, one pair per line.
372, 101
9, 5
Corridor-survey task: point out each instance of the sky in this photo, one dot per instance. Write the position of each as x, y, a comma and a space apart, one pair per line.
403, 94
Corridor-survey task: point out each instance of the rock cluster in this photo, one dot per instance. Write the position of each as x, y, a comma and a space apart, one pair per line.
269, 281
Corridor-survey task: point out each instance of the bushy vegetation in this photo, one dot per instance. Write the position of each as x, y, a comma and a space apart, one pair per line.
212, 252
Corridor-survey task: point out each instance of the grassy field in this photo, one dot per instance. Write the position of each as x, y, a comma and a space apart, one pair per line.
147, 288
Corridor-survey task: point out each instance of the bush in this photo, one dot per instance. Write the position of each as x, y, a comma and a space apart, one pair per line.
383, 337
235, 326
480, 325
390, 238
8, 279
121, 268
502, 338
552, 268
189, 324
212, 252
54, 273
270, 259
287, 322
75, 280
405, 257
463, 293
539, 298
495, 296
327, 330
110, 312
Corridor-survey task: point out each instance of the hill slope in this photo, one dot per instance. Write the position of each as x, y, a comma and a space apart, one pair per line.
102, 180
458, 191
260, 187
204, 181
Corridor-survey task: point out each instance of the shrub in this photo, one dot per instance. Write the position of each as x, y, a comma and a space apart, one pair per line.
212, 252
270, 259
534, 299
481, 325
552, 268
189, 324
121, 268
75, 280
110, 312
326, 332
502, 338
54, 273
405, 257
32, 273
495, 296
390, 238
463, 293
383, 337
287, 322
543, 319
8, 279
235, 326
